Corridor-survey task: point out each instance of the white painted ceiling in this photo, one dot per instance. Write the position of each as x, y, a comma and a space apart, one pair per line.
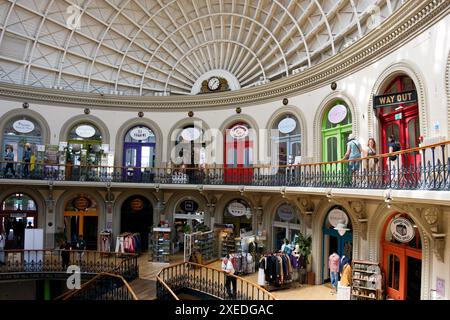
146, 47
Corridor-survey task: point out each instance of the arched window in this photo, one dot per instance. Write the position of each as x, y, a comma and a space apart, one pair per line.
139, 148
190, 146
84, 145
286, 141
286, 225
18, 132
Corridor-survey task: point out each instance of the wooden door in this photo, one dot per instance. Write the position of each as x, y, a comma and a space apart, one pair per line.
238, 161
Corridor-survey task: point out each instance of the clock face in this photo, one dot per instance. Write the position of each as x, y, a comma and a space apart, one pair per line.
213, 83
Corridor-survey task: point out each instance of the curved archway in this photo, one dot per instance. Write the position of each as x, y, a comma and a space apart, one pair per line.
323, 109
85, 118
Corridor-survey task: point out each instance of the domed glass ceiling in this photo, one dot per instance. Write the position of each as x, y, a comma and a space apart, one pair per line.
156, 47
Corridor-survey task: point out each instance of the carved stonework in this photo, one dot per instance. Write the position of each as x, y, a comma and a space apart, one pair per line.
432, 216
358, 208
439, 246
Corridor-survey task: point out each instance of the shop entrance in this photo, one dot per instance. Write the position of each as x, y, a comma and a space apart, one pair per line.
402, 258
238, 154
137, 217
239, 214
332, 241
286, 225
18, 212
81, 218
139, 152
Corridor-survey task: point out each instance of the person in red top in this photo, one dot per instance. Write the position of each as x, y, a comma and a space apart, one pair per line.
333, 264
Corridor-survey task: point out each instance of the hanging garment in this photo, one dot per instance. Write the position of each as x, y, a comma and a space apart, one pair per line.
120, 246
261, 277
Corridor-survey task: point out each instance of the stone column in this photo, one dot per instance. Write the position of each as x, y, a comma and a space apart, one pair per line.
50, 223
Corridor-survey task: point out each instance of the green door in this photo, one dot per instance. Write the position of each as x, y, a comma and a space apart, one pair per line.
334, 141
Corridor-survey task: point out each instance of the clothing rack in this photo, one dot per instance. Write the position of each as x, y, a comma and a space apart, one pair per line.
244, 263
275, 271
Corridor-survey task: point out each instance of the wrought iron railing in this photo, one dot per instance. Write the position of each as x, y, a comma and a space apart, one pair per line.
57, 261
104, 286
207, 280
426, 167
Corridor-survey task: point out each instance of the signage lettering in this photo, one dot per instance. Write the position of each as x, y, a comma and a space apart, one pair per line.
23, 126
402, 229
394, 98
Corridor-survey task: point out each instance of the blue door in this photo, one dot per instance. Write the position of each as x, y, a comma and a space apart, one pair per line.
138, 159
332, 241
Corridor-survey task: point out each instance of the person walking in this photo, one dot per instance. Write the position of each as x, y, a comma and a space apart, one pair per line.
81, 246
230, 280
9, 158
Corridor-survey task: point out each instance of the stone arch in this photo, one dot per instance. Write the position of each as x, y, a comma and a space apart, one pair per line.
317, 133
85, 118
123, 197
177, 197
319, 216
411, 70
298, 114
185, 122
375, 227
240, 118
72, 193
38, 199
5, 118
225, 199
129, 124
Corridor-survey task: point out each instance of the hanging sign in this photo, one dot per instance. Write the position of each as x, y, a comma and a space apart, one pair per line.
237, 209
239, 131
81, 203
140, 133
337, 113
23, 126
394, 98
85, 131
286, 212
337, 216
137, 204
189, 206
402, 229
190, 134
287, 125
18, 215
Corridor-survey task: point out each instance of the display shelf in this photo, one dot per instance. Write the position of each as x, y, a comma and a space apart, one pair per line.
367, 280
365, 271
159, 245
365, 288
364, 296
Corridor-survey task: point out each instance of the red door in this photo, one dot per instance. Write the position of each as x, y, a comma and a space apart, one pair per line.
238, 156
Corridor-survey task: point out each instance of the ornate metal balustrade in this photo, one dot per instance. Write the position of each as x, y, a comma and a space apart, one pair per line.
207, 280
32, 262
104, 286
419, 168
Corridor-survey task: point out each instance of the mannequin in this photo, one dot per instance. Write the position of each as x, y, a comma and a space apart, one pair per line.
333, 264
2, 247
346, 276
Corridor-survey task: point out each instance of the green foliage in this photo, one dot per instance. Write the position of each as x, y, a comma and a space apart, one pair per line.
304, 244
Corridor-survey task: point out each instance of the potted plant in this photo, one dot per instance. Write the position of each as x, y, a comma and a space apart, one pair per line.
303, 245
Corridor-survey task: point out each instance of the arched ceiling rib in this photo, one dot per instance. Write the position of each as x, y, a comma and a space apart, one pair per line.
140, 47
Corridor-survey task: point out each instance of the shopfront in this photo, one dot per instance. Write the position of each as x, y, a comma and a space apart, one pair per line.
18, 211
139, 151
188, 216
81, 218
238, 153
337, 236
238, 213
402, 257
336, 127
286, 143
286, 225
190, 152
84, 145
136, 217
20, 132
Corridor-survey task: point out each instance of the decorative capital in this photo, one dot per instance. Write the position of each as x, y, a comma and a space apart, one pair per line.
439, 246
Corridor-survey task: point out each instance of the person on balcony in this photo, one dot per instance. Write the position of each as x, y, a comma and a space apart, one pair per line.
353, 152
81, 246
65, 254
9, 158
395, 162
372, 163
27, 160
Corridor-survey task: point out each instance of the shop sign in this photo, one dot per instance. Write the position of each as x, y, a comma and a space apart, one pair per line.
237, 209
239, 131
190, 134
189, 206
137, 204
81, 203
394, 98
286, 212
18, 215
337, 216
23, 126
402, 229
85, 131
287, 125
440, 287
140, 133
337, 113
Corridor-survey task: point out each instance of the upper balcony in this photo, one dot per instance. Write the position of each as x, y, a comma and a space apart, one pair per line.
423, 168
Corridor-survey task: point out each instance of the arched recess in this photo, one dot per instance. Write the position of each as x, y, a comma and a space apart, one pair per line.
447, 87
375, 226
4, 119
129, 124
224, 200
122, 198
276, 116
176, 129
317, 234
73, 193
323, 108
37, 197
85, 118
177, 197
411, 70
230, 121
270, 212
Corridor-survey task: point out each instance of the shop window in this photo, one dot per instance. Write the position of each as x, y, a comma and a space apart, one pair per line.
286, 141
84, 145
393, 272
190, 146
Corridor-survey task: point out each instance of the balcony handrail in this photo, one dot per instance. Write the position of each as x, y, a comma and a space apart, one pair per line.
171, 271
